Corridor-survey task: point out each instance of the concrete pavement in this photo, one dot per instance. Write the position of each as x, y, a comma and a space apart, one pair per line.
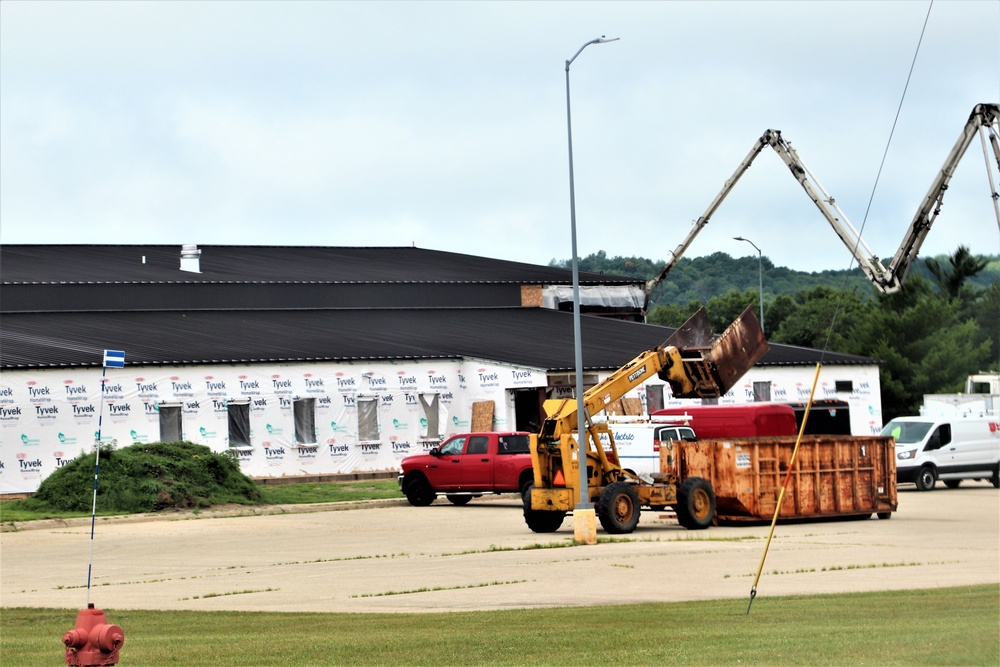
390, 557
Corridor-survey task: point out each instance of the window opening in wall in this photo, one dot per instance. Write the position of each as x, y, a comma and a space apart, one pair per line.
368, 419
429, 423
239, 423
654, 398
304, 413
761, 392
846, 386
528, 408
171, 422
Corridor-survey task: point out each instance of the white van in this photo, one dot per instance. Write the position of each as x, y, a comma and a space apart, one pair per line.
639, 444
931, 448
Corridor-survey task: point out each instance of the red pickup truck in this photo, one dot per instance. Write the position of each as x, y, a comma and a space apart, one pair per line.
467, 466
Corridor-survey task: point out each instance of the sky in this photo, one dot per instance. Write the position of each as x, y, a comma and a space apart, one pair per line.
443, 124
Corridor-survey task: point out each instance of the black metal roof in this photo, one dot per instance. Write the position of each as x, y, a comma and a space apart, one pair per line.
63, 305
51, 297
533, 337
62, 264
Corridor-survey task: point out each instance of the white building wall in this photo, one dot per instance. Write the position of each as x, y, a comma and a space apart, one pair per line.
49, 416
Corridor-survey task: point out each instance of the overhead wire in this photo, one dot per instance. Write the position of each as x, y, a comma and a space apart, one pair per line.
878, 176
833, 318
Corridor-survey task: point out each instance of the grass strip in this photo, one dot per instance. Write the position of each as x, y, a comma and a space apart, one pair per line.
948, 626
270, 494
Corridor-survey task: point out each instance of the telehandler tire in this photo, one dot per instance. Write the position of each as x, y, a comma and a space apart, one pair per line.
618, 508
695, 503
540, 521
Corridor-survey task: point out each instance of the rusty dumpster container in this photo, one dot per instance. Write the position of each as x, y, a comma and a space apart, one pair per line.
833, 476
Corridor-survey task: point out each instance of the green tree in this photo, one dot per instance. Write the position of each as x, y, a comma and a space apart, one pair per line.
669, 315
962, 265
776, 312
943, 325
925, 346
823, 318
986, 313
722, 310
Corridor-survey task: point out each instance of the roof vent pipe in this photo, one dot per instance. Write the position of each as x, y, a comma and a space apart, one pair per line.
190, 258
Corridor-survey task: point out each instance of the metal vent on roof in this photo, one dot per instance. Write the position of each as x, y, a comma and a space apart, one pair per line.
190, 261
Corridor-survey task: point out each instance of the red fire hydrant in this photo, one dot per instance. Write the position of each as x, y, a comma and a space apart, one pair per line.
93, 642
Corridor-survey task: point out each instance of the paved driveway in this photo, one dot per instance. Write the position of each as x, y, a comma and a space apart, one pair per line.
390, 557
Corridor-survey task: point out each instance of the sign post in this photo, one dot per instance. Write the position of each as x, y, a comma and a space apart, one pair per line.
93, 641
112, 359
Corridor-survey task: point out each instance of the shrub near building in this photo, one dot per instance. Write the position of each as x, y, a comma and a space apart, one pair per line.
147, 478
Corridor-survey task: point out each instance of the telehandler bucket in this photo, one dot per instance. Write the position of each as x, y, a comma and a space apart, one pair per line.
715, 366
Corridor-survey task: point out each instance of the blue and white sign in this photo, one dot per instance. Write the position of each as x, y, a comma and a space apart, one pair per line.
114, 359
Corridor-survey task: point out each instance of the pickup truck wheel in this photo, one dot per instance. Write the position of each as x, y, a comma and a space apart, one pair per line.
459, 500
618, 508
695, 503
926, 478
952, 483
419, 492
540, 521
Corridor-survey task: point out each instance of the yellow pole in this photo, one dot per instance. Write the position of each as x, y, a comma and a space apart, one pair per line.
781, 495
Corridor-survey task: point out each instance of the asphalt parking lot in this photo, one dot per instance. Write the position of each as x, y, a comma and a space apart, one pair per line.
390, 557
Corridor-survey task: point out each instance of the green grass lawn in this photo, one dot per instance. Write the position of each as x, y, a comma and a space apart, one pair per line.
954, 626
271, 494
958, 626
330, 492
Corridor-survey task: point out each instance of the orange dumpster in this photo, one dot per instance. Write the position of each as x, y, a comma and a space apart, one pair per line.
833, 476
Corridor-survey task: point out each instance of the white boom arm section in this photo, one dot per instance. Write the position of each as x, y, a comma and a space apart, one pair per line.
984, 120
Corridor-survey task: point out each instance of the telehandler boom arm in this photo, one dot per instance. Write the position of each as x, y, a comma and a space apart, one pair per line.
695, 366
689, 361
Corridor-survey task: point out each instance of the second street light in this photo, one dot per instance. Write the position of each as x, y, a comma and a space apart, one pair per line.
584, 503
760, 276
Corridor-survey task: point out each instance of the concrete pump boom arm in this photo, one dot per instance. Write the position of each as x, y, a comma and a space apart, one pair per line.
984, 120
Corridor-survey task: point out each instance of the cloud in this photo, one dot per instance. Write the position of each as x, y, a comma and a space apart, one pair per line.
444, 124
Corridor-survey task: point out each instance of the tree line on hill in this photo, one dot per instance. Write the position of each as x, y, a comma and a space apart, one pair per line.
943, 326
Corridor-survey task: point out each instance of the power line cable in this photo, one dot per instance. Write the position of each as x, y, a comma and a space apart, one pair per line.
878, 175
833, 319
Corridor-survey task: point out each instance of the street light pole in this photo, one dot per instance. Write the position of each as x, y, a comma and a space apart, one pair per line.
760, 276
584, 502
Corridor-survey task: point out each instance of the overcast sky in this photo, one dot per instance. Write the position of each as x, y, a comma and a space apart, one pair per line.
444, 124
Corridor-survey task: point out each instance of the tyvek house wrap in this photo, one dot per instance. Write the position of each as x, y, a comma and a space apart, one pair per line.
49, 416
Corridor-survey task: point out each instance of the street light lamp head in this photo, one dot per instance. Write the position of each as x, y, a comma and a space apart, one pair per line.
740, 238
599, 40
760, 276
